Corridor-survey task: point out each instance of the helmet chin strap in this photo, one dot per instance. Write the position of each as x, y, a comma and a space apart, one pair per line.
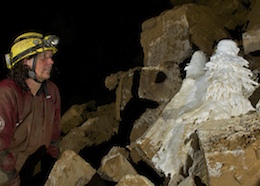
32, 73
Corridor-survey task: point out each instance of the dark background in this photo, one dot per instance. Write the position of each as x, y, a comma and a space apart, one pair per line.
97, 38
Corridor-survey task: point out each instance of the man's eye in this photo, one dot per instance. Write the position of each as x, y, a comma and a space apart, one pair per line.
44, 56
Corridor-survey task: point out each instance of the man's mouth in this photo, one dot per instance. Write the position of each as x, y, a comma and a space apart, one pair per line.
48, 69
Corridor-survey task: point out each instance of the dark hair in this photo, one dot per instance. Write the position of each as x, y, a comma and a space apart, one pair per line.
19, 73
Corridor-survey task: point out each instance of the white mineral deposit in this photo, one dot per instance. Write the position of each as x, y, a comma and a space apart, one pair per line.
224, 90
213, 90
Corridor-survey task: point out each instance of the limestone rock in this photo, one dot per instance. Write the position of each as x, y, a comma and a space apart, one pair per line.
253, 15
224, 10
95, 130
145, 121
140, 126
70, 169
160, 83
251, 39
231, 150
112, 81
189, 181
251, 36
134, 180
115, 165
169, 36
74, 116
176, 180
124, 91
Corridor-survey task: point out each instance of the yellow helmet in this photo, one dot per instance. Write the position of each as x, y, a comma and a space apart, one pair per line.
28, 44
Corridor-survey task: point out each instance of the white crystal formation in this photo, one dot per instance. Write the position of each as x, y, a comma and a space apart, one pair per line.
224, 90
213, 90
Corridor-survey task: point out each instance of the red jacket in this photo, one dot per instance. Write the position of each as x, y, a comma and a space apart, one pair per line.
26, 121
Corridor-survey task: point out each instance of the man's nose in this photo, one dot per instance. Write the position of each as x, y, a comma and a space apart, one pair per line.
50, 60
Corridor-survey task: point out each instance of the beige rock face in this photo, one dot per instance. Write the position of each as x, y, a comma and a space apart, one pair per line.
155, 83
70, 169
98, 128
74, 116
224, 10
160, 83
253, 15
231, 150
112, 80
251, 39
145, 121
169, 37
134, 180
115, 165
251, 36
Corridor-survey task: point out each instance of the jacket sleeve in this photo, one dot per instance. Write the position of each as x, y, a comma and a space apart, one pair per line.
8, 116
7, 125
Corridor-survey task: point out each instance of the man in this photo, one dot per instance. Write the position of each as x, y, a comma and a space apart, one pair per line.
29, 108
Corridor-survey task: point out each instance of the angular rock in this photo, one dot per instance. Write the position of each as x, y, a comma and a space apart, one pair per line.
175, 180
231, 150
169, 36
251, 37
140, 126
253, 15
189, 181
115, 165
100, 127
124, 91
230, 14
157, 84
160, 83
145, 121
112, 81
134, 180
74, 116
70, 169
251, 40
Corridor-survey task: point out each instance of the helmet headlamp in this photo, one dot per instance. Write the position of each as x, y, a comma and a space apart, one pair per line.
51, 40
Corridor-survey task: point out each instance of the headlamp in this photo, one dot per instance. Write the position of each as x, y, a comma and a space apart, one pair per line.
51, 40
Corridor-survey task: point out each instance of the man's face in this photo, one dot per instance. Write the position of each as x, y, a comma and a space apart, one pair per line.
43, 66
